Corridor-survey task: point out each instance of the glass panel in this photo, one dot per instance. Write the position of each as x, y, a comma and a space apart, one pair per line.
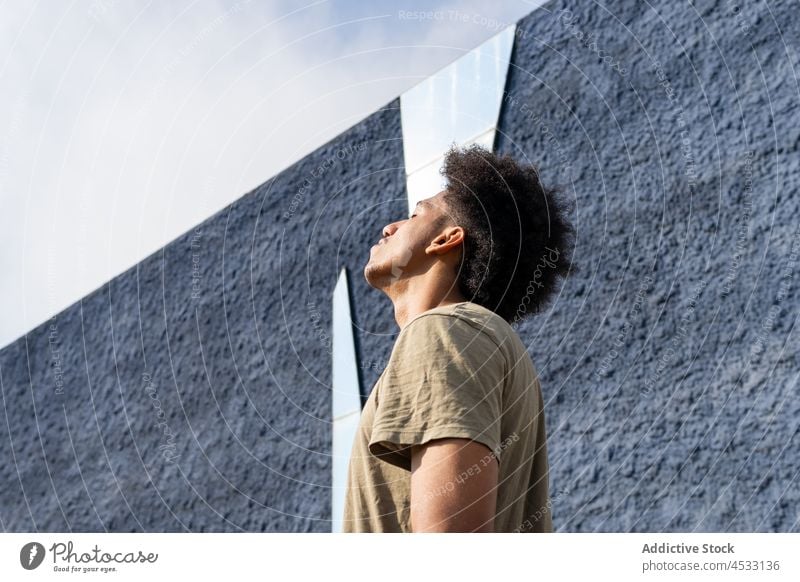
346, 405
427, 181
346, 396
458, 105
344, 431
424, 183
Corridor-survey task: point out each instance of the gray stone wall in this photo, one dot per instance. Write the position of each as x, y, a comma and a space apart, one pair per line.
670, 362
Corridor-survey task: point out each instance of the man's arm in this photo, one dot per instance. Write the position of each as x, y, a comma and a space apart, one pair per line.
451, 489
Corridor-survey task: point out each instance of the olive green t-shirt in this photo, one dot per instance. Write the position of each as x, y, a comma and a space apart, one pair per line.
455, 371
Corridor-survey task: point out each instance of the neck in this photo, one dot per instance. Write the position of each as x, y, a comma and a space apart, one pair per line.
411, 297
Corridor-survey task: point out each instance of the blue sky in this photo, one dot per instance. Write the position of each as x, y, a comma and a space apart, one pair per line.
126, 123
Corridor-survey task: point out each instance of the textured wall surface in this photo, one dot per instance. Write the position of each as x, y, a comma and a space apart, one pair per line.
193, 391
670, 363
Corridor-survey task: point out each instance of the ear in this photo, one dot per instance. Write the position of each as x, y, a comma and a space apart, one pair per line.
450, 238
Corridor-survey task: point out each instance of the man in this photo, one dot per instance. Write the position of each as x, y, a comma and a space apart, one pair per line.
452, 437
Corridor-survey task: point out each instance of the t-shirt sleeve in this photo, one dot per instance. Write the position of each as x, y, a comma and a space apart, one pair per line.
444, 379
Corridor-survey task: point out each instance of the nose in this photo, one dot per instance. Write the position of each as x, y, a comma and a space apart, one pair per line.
390, 229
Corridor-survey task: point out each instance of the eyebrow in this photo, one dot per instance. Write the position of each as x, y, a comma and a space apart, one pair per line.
422, 203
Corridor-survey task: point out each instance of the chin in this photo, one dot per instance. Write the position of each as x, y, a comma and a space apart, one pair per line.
367, 273
374, 275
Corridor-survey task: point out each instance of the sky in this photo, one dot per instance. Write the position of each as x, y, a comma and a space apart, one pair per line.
126, 123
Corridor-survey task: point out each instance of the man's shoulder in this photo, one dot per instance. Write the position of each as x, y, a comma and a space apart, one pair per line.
461, 319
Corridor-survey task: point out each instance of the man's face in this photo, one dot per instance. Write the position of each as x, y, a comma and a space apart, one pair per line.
401, 250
